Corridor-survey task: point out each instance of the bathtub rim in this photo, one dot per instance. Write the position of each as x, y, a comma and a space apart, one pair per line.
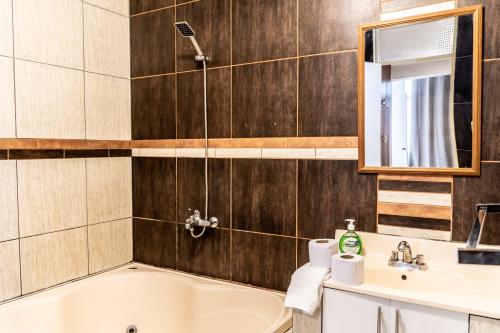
282, 325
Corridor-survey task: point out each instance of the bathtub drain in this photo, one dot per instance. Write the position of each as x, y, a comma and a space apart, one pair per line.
131, 329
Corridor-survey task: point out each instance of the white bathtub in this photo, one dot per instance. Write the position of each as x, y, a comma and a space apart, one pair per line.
152, 299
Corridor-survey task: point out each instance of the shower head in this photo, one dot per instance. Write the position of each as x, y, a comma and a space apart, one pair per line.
186, 31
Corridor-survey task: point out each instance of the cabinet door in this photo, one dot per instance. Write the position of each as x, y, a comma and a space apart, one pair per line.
411, 318
354, 313
484, 325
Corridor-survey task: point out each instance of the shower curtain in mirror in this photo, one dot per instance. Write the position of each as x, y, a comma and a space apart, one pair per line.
432, 138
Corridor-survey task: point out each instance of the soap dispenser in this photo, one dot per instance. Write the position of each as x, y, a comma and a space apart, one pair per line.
350, 242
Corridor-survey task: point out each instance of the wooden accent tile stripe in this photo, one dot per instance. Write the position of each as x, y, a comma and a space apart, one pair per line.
414, 232
416, 198
35, 154
415, 186
424, 211
442, 179
280, 142
414, 222
86, 153
31, 154
120, 152
63, 144
415, 205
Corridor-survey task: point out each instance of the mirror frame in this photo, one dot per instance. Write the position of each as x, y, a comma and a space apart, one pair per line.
474, 170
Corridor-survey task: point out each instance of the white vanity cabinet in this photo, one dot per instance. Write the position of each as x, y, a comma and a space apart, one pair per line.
484, 325
355, 313
412, 318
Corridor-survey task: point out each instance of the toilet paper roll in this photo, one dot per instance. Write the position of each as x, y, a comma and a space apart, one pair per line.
348, 269
320, 252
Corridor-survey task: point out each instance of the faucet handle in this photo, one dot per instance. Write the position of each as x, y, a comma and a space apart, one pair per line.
403, 245
394, 256
419, 260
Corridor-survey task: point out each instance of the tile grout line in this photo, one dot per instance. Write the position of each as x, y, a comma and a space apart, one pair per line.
296, 212
231, 67
14, 70
68, 68
249, 63
105, 9
87, 213
19, 230
84, 74
175, 5
73, 228
230, 219
225, 229
297, 68
175, 86
176, 217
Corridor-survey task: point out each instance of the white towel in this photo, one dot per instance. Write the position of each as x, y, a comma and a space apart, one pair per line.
306, 288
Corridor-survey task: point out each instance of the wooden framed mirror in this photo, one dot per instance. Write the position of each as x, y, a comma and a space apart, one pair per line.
419, 97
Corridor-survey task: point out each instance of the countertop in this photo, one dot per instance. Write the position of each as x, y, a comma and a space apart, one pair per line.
473, 289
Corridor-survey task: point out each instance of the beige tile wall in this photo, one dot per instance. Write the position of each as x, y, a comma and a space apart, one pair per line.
49, 101
107, 107
49, 31
64, 74
117, 6
109, 189
10, 278
114, 239
8, 201
51, 195
107, 45
7, 108
73, 216
56, 45
49, 259
6, 43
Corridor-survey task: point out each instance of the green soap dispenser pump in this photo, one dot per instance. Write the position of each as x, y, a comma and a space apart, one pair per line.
350, 242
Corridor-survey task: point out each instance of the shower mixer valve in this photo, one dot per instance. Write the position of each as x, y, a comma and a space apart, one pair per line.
195, 220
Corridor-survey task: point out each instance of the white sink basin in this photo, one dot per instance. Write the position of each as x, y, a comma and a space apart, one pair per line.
418, 281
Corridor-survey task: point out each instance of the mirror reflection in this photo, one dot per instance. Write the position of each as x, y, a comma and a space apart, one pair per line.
418, 94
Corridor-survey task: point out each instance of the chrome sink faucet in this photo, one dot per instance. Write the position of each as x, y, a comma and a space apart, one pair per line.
406, 259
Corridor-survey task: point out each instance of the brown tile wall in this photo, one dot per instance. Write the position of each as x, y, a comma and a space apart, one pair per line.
280, 68
469, 191
266, 208
272, 74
